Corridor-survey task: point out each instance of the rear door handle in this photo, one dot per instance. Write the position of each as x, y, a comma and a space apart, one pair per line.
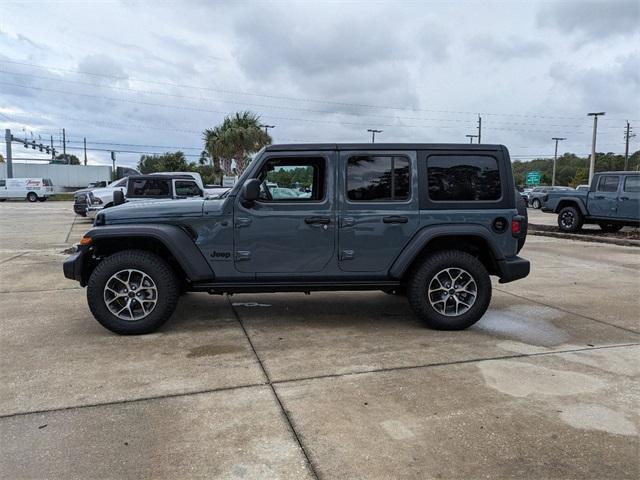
317, 220
599, 198
395, 219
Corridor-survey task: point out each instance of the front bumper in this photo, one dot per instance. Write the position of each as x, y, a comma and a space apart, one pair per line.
513, 268
73, 265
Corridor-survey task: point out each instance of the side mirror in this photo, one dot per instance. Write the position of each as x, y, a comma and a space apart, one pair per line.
250, 191
118, 197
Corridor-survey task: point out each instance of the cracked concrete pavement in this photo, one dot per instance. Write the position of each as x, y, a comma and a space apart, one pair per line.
331, 385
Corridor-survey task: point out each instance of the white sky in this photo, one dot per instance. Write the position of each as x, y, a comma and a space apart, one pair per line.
155, 74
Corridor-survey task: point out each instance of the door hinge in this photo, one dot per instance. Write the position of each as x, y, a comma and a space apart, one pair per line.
242, 255
347, 255
242, 222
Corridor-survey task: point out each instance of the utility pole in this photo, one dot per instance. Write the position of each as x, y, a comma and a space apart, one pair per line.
64, 145
627, 136
113, 161
8, 138
555, 159
373, 134
471, 137
592, 164
267, 127
479, 129
85, 151
53, 152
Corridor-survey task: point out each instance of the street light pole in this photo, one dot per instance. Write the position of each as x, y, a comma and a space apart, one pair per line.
592, 163
373, 134
267, 127
471, 137
555, 159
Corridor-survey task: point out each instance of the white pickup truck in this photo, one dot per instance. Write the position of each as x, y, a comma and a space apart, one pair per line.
88, 203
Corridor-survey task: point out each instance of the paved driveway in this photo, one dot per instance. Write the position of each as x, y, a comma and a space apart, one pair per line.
331, 385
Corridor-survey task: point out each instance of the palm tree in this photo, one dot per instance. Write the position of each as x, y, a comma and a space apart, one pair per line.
236, 139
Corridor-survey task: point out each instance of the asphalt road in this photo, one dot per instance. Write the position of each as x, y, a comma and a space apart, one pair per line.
331, 385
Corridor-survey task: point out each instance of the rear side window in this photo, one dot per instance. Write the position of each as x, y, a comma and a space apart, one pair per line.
378, 178
632, 184
608, 183
463, 178
187, 188
150, 188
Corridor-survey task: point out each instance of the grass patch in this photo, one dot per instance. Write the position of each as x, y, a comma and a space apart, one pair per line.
56, 197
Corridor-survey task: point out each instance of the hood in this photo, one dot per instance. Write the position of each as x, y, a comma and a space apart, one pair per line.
149, 211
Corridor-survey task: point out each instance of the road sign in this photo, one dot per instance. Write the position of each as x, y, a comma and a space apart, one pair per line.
533, 178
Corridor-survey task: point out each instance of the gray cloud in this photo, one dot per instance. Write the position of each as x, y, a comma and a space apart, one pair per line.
511, 47
592, 19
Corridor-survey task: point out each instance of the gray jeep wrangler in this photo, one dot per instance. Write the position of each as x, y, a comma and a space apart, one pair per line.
430, 221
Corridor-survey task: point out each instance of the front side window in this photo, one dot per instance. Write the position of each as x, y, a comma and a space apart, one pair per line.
292, 180
148, 187
187, 188
608, 183
463, 178
378, 178
632, 184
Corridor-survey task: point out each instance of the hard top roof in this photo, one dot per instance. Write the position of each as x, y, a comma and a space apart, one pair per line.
381, 146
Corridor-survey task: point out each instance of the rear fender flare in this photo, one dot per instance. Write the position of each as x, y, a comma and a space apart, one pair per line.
572, 200
420, 240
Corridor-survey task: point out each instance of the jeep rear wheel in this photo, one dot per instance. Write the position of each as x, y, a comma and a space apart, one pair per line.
450, 290
132, 292
570, 219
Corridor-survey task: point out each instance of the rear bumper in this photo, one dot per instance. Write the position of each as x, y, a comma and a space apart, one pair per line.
73, 265
513, 268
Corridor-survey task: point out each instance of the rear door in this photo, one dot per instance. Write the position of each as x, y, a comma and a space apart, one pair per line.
629, 201
604, 201
378, 208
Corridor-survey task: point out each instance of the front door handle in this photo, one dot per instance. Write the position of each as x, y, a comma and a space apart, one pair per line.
317, 220
395, 219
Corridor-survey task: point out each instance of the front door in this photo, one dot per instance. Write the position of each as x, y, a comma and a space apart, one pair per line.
290, 229
378, 211
629, 201
604, 201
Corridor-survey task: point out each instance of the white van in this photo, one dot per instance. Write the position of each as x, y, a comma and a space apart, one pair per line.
32, 189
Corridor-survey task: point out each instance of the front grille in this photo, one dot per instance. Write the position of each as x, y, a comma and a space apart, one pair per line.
80, 204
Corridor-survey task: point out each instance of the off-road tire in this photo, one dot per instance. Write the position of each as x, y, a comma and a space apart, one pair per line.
32, 197
610, 227
570, 219
156, 268
536, 203
423, 274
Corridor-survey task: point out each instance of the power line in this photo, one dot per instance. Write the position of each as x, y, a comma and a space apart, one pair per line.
205, 110
281, 97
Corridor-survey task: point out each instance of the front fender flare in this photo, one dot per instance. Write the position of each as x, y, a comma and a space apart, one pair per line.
425, 235
174, 238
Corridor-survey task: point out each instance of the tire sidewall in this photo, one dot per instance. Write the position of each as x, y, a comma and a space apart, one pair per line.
536, 203
577, 223
424, 274
146, 262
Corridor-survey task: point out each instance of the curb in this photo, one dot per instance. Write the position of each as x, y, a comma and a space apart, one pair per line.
586, 238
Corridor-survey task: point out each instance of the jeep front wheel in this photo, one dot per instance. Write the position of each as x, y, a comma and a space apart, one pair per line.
570, 219
132, 292
450, 290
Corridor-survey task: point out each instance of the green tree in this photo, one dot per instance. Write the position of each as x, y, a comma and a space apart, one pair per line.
235, 140
70, 159
1, 158
164, 162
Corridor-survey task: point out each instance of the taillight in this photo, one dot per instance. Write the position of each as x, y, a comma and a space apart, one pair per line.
516, 226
